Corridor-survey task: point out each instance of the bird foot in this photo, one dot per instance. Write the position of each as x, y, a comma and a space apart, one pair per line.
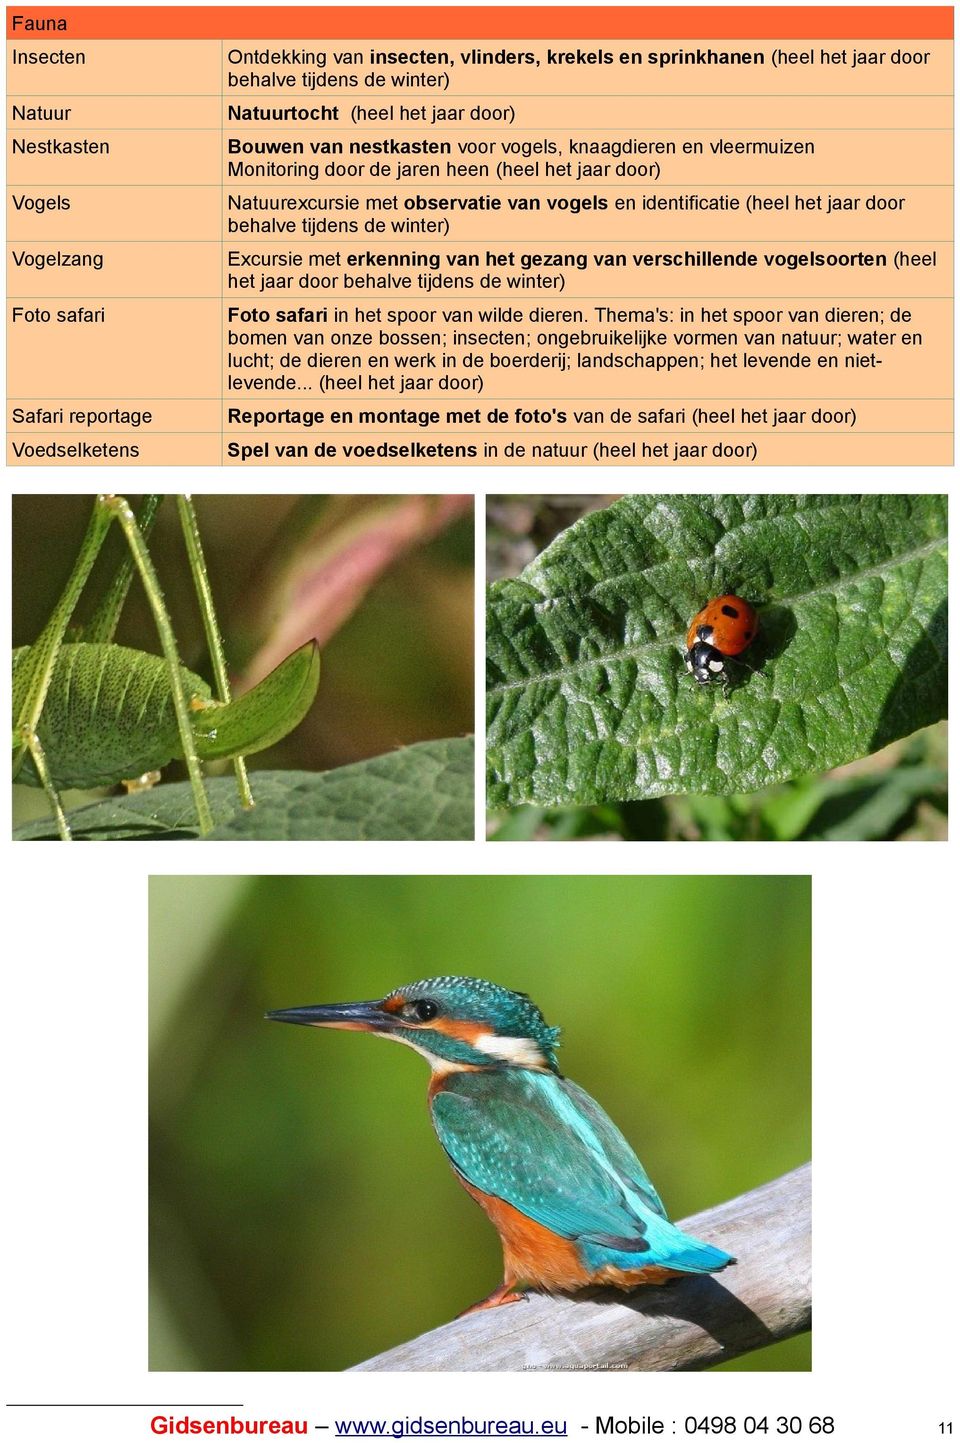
499, 1296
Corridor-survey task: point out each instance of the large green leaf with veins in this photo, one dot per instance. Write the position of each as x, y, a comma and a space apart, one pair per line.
588, 696
417, 793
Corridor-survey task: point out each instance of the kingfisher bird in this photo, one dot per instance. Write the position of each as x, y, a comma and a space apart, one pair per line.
564, 1189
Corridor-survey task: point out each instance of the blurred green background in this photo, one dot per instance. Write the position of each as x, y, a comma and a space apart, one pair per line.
399, 671
303, 1215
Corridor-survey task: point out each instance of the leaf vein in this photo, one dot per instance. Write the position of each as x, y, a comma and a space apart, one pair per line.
634, 652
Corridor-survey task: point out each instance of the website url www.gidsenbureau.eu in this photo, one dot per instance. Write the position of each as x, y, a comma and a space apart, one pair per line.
416, 1427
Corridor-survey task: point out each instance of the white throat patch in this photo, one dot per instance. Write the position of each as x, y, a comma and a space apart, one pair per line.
521, 1051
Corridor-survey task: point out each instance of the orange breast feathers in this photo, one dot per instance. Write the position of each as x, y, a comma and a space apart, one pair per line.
533, 1254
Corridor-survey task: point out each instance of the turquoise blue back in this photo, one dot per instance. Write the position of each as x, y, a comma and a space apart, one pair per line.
543, 1145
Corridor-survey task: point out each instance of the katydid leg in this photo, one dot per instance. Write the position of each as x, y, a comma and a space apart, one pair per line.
33, 682
39, 664
31, 743
201, 581
120, 509
102, 625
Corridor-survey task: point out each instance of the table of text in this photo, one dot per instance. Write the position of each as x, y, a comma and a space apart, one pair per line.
303, 236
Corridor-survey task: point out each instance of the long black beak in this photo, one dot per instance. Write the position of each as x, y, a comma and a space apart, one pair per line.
354, 1016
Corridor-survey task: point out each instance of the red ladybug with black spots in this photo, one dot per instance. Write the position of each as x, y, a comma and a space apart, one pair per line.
725, 627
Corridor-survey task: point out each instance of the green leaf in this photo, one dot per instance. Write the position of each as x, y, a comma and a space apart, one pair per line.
859, 809
588, 695
416, 793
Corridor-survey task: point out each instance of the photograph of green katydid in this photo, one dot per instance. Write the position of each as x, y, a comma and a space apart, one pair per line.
92, 712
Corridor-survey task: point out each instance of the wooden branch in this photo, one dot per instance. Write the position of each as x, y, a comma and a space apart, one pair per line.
690, 1323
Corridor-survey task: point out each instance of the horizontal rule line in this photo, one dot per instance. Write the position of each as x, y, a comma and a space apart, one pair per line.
457, 184
447, 399
583, 434
471, 240
531, 129
516, 130
505, 185
335, 93
326, 296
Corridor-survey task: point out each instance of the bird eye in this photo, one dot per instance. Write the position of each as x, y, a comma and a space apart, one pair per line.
425, 1010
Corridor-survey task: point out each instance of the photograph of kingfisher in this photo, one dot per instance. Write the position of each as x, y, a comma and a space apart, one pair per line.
567, 1194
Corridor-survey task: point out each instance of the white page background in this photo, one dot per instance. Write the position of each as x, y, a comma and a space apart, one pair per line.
75, 1090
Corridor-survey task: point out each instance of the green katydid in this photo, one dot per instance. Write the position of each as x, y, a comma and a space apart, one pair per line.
89, 713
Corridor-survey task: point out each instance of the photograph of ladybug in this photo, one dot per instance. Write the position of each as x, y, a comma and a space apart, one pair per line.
712, 666
724, 628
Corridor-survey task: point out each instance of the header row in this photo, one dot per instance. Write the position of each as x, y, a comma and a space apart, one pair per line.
606, 22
